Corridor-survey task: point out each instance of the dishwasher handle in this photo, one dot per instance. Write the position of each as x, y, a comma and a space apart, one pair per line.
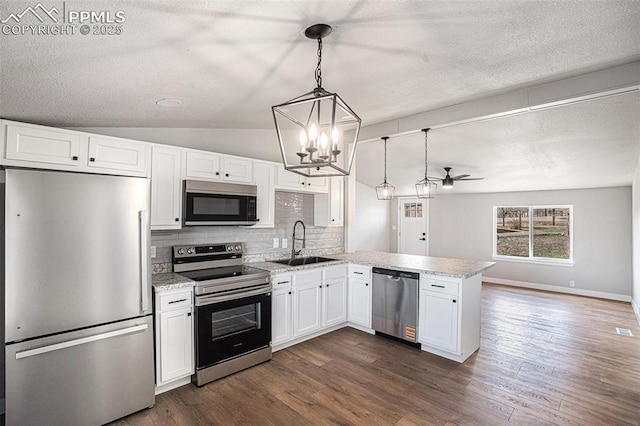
395, 275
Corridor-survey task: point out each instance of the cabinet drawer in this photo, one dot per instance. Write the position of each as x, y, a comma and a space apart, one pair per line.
335, 272
281, 281
356, 271
439, 286
174, 300
308, 277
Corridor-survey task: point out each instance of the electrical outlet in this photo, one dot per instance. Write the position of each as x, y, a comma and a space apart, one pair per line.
276, 243
152, 251
572, 283
285, 243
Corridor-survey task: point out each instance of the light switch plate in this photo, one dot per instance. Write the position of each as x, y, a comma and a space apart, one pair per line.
152, 251
276, 243
285, 243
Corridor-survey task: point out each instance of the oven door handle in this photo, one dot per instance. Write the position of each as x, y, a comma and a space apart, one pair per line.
209, 299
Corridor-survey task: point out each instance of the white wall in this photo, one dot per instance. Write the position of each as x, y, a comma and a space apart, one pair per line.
372, 221
259, 144
635, 293
462, 226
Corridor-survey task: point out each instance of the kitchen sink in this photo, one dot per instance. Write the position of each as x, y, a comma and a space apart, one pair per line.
297, 261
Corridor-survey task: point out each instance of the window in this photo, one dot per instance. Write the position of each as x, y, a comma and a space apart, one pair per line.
533, 233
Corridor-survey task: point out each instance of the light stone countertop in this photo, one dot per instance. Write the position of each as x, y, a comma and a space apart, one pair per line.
457, 268
170, 281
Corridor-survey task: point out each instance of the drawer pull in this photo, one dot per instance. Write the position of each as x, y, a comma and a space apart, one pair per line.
177, 301
283, 282
436, 285
358, 273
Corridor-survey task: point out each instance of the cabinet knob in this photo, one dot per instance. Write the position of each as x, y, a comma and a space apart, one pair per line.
302, 183
320, 287
217, 173
226, 174
309, 184
177, 219
366, 284
454, 300
92, 159
258, 220
74, 158
289, 292
189, 314
333, 220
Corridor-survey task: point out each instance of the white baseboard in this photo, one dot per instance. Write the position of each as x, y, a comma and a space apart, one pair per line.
558, 289
636, 309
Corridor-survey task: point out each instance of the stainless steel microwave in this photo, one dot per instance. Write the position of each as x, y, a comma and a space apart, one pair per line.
214, 203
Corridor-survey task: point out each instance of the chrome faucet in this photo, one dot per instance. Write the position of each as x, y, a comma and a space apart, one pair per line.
294, 253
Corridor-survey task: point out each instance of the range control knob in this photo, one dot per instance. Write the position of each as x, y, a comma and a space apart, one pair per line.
238, 247
229, 248
180, 251
191, 250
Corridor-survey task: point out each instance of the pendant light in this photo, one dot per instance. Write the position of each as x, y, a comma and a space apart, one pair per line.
385, 191
317, 131
426, 188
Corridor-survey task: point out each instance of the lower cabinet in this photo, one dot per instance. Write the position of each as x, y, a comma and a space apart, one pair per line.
174, 335
307, 302
359, 295
449, 315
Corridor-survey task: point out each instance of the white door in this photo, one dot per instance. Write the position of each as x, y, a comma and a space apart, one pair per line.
412, 226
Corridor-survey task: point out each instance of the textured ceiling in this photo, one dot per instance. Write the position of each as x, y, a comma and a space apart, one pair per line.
229, 61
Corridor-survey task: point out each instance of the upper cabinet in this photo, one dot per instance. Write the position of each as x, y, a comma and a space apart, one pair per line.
28, 145
329, 208
289, 181
264, 177
208, 166
166, 188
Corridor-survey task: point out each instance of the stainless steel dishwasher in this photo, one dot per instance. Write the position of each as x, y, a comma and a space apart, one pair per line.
395, 303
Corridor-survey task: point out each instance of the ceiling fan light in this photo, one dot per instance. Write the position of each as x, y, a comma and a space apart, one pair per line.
447, 183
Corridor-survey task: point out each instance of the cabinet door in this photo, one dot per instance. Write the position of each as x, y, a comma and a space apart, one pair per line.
289, 180
336, 202
439, 320
118, 155
335, 302
44, 145
317, 184
166, 188
307, 309
237, 170
281, 317
360, 302
202, 165
264, 175
176, 345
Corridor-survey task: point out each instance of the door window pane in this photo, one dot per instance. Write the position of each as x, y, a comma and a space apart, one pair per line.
551, 229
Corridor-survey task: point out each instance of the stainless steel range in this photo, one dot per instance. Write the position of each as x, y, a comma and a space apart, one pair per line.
233, 309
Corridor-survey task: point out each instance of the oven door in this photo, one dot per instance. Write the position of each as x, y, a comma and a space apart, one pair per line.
231, 325
219, 209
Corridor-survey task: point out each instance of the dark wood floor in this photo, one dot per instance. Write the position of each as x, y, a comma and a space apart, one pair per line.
545, 359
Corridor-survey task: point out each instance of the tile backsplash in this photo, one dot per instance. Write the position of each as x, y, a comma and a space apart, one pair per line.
258, 242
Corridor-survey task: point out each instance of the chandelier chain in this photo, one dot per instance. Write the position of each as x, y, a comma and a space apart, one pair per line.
385, 161
318, 69
426, 160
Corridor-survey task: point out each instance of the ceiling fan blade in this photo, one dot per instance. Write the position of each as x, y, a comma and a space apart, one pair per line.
434, 178
460, 177
470, 179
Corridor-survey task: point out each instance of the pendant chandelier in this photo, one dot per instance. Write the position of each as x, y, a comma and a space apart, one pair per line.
426, 188
385, 191
317, 131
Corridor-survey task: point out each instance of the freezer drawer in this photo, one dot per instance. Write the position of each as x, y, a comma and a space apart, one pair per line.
87, 377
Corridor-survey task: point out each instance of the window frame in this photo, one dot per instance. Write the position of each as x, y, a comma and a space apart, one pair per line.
531, 258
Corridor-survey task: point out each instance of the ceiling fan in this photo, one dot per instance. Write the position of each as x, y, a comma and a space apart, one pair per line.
447, 181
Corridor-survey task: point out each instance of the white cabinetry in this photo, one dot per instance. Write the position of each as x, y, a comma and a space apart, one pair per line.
264, 177
281, 309
289, 181
174, 338
308, 303
449, 323
29, 145
360, 295
166, 188
208, 166
329, 208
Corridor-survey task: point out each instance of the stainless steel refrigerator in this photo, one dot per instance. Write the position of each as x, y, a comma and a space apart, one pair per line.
77, 287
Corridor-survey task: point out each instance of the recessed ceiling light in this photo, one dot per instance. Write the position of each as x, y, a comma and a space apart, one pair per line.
169, 102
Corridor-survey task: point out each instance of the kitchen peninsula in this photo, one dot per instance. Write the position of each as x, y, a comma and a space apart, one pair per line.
307, 298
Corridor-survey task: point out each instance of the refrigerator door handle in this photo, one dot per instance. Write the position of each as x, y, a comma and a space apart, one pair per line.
144, 260
82, 341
